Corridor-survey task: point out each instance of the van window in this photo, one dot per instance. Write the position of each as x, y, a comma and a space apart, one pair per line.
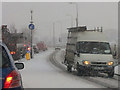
93, 47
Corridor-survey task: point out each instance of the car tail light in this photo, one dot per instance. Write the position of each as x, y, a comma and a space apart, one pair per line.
24, 45
12, 52
12, 80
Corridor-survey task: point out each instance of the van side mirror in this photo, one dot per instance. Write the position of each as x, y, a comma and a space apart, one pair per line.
114, 53
19, 66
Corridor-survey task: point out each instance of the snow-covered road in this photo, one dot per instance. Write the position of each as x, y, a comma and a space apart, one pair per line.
40, 73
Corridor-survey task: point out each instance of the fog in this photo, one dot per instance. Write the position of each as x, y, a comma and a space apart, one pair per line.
62, 14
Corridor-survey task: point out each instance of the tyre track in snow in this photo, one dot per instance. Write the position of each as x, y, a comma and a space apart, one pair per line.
103, 81
54, 62
116, 76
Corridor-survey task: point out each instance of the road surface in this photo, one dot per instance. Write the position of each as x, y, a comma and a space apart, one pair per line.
39, 72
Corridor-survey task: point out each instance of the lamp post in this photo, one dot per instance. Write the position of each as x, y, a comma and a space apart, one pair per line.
60, 26
76, 13
60, 37
54, 32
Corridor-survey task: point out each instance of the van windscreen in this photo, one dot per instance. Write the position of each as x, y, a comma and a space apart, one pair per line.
93, 47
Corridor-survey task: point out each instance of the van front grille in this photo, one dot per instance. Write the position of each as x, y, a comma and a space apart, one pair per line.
98, 63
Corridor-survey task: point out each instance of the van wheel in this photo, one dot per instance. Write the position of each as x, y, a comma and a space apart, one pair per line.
79, 71
69, 68
111, 74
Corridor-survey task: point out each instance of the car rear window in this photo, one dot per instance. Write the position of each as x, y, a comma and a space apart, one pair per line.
4, 59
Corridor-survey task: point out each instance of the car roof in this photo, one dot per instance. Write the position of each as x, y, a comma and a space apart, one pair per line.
7, 50
2, 44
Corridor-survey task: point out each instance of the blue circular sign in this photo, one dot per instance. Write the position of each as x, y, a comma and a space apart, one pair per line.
31, 26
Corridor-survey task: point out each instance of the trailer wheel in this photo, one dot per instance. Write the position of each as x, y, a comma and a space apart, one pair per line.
111, 74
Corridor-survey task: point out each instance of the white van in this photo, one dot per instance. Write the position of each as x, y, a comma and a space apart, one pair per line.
88, 50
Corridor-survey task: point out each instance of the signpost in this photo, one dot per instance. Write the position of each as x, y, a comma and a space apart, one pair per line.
31, 27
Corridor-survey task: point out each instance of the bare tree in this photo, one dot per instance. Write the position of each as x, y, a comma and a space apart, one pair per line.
13, 29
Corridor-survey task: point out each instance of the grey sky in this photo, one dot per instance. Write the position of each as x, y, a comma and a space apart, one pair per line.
91, 14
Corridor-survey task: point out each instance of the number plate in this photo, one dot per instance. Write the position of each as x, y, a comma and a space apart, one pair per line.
98, 68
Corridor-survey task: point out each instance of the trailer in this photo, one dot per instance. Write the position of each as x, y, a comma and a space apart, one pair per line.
87, 51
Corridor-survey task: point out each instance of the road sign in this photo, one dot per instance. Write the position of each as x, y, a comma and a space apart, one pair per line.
31, 26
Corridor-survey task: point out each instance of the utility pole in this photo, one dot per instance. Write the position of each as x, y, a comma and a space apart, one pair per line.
76, 13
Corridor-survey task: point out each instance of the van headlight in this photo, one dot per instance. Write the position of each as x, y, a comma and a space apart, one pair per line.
86, 62
110, 63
